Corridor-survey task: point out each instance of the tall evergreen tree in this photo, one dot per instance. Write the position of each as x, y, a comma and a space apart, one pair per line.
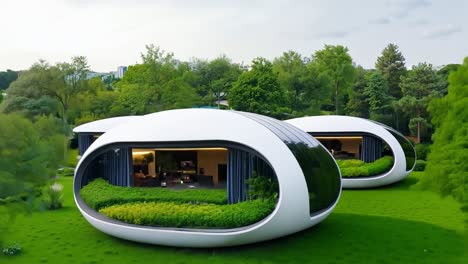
392, 65
378, 97
358, 104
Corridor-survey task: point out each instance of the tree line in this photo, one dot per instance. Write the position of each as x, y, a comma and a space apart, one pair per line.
291, 85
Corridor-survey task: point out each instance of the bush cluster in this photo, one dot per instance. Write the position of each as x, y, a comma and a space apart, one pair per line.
53, 196
172, 214
99, 194
12, 250
422, 150
420, 165
359, 168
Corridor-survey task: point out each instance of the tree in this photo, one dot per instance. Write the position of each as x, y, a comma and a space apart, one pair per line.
444, 72
306, 86
379, 100
448, 156
141, 88
26, 161
418, 87
65, 81
62, 82
258, 91
213, 79
358, 104
178, 94
25, 96
7, 77
392, 65
338, 65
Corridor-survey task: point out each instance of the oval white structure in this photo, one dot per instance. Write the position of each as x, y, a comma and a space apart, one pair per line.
308, 177
404, 155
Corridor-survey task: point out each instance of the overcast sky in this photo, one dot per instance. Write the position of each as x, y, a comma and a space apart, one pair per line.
114, 32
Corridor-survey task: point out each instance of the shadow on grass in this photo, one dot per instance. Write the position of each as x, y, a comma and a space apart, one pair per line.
343, 238
404, 184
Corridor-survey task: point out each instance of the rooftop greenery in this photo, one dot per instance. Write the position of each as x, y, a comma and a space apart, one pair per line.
358, 168
99, 194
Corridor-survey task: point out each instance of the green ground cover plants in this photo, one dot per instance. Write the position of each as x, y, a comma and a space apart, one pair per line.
99, 194
358, 168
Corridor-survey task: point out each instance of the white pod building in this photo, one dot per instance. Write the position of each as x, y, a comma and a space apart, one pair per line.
361, 139
205, 148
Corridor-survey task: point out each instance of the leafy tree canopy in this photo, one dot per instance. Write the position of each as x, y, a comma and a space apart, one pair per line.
7, 77
29, 154
419, 86
258, 91
307, 88
336, 63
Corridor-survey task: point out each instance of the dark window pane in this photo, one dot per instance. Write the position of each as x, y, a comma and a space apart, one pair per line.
319, 168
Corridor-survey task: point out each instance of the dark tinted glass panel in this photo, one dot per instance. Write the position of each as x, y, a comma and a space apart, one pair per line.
320, 170
410, 154
408, 149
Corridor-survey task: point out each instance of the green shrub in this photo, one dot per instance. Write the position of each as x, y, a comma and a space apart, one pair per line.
354, 172
171, 214
263, 188
420, 165
53, 196
350, 163
359, 168
99, 193
422, 150
12, 250
379, 166
72, 157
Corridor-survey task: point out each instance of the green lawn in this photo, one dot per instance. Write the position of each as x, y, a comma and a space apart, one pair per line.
396, 224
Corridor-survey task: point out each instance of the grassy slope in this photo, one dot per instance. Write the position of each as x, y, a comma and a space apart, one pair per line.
396, 224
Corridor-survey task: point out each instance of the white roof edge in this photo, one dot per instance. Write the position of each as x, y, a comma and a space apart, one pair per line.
103, 125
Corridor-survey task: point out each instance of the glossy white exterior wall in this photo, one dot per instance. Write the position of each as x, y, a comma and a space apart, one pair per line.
290, 215
331, 123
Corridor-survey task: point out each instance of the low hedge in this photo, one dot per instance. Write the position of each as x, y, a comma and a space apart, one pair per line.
420, 165
422, 150
99, 194
171, 214
359, 168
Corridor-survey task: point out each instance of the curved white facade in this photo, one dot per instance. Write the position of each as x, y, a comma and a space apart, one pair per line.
103, 125
259, 133
347, 124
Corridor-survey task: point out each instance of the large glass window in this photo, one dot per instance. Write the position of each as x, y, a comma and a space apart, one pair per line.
320, 171
408, 149
410, 154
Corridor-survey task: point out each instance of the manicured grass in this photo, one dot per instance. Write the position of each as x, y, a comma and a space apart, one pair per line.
396, 224
98, 194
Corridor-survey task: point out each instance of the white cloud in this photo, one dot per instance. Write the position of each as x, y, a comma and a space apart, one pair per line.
441, 31
114, 32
